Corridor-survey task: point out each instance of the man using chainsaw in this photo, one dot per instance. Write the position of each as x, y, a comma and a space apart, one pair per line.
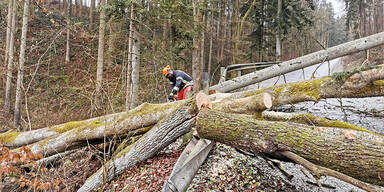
181, 84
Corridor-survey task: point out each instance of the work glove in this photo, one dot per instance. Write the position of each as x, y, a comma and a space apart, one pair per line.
171, 97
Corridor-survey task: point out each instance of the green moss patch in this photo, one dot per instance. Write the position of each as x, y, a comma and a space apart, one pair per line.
9, 136
68, 126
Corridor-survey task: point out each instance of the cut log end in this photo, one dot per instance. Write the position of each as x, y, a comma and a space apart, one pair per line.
203, 101
267, 100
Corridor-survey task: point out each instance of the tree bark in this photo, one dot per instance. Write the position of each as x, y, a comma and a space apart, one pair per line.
135, 70
196, 66
7, 100
160, 136
69, 15
8, 34
80, 13
278, 33
218, 27
100, 57
91, 17
225, 34
301, 62
129, 63
344, 150
20, 74
210, 25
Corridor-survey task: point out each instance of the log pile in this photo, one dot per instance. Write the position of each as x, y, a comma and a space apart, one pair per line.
337, 149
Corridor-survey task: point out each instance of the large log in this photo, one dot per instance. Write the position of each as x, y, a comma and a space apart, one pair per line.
248, 105
301, 62
14, 139
344, 150
357, 85
135, 121
309, 119
160, 136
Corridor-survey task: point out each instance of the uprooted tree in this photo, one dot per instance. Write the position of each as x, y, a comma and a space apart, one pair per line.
336, 149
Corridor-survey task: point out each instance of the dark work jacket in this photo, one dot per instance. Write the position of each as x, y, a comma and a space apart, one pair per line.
179, 80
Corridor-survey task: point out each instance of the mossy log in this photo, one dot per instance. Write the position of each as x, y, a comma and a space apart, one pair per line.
136, 121
309, 119
344, 150
360, 84
14, 139
160, 136
301, 62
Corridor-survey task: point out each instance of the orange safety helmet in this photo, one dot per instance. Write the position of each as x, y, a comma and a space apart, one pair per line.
166, 69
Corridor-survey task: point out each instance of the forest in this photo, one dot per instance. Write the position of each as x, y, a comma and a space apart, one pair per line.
287, 95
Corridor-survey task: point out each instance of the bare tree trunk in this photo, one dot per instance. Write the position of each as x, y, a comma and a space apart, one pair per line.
7, 100
381, 16
335, 148
81, 8
196, 66
218, 27
225, 35
114, 32
211, 28
69, 15
301, 62
8, 35
135, 70
261, 29
75, 7
278, 33
91, 18
202, 47
129, 63
100, 57
234, 26
20, 74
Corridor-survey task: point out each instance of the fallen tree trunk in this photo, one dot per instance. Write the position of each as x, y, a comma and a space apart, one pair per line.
344, 150
360, 84
187, 165
248, 105
309, 119
138, 120
14, 139
301, 62
160, 136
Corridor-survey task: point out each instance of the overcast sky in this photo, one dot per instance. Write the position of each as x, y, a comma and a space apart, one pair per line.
338, 6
